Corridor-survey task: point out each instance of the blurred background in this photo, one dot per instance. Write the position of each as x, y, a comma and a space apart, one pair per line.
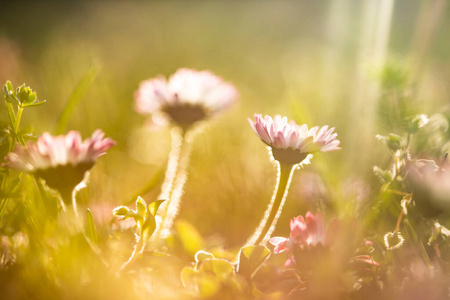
330, 62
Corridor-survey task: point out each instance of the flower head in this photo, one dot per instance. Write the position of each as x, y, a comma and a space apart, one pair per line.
187, 97
60, 160
307, 234
292, 143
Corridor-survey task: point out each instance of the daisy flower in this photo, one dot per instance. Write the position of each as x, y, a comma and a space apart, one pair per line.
61, 160
292, 143
292, 146
186, 97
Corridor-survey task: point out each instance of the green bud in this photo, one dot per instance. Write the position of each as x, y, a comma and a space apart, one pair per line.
8, 89
23, 96
393, 141
414, 124
383, 175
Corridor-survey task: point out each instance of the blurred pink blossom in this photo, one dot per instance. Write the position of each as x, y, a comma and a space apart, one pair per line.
308, 231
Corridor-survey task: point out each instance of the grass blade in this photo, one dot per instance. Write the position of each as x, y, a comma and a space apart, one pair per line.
75, 98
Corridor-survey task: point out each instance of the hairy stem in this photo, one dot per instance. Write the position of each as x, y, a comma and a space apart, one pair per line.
271, 215
172, 188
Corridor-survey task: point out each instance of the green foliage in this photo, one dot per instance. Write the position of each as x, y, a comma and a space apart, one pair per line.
91, 231
144, 215
393, 141
212, 277
23, 96
16, 101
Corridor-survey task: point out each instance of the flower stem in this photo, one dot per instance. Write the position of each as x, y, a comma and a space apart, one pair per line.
18, 117
271, 215
175, 177
16, 123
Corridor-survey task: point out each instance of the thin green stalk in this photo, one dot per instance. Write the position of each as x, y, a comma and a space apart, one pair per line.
18, 117
271, 215
11, 113
16, 126
15, 122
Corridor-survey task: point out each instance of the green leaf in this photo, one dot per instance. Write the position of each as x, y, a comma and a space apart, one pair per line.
221, 268
31, 97
9, 92
36, 103
141, 207
148, 227
251, 258
120, 211
22, 93
9, 87
201, 256
91, 232
154, 206
132, 214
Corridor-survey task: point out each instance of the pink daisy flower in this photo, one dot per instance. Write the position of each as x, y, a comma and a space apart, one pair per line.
291, 143
186, 97
305, 233
60, 160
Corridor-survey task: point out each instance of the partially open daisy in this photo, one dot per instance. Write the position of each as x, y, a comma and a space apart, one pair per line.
187, 97
305, 232
291, 143
61, 160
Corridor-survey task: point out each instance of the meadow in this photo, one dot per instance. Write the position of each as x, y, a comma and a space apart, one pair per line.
178, 150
